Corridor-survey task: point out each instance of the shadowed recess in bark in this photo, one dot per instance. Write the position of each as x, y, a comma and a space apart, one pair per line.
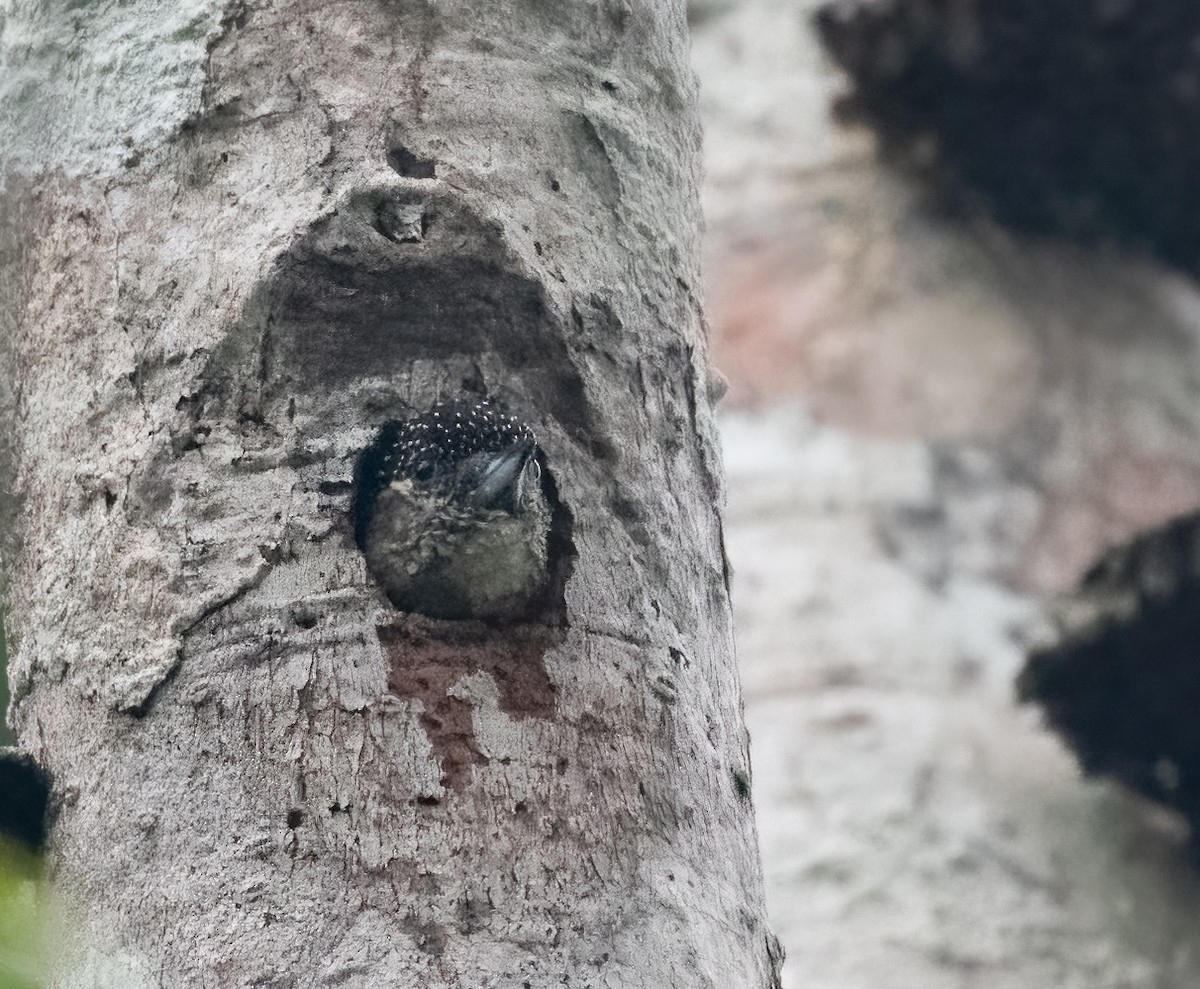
424, 663
1073, 119
437, 282
403, 160
396, 278
1123, 687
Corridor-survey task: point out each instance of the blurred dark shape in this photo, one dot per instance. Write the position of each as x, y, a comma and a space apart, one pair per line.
1123, 684
1075, 118
24, 800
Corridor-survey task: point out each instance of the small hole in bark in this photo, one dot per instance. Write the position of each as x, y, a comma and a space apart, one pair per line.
741, 785
295, 817
428, 801
405, 163
521, 807
304, 617
608, 86
110, 499
554, 186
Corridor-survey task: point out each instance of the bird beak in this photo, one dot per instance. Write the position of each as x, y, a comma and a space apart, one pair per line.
501, 480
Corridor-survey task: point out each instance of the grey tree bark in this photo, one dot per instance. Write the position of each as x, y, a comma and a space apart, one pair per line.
234, 239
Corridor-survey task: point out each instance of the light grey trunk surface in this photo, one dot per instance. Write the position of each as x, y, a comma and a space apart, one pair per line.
234, 241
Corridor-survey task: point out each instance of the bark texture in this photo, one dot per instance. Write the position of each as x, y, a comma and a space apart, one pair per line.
236, 239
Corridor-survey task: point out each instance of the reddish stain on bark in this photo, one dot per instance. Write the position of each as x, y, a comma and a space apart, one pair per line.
424, 663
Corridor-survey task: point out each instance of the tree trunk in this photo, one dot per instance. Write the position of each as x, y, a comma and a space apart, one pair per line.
236, 241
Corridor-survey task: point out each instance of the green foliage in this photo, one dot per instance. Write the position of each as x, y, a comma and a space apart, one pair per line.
20, 926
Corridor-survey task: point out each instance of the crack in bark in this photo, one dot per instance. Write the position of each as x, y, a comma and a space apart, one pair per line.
245, 586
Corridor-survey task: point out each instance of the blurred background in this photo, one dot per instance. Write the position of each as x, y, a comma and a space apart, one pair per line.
951, 279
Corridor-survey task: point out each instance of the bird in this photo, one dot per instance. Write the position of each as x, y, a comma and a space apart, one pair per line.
450, 514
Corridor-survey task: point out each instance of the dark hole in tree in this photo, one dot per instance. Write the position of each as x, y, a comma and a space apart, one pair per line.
305, 617
405, 163
741, 784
